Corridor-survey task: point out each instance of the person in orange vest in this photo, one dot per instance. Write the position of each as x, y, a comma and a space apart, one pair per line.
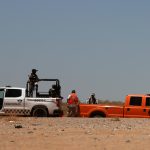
73, 104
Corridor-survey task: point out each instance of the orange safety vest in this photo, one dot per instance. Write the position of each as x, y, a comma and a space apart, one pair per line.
73, 99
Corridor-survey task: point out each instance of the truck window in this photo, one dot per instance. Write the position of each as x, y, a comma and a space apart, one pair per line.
147, 101
1, 98
13, 93
136, 101
1, 93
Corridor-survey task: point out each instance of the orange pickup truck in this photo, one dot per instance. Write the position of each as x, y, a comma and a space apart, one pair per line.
135, 106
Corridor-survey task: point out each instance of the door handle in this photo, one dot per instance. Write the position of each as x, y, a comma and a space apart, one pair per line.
128, 109
144, 110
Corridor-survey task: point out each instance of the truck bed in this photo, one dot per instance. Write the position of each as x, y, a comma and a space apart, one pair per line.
86, 110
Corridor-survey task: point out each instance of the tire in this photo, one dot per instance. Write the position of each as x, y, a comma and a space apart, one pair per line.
40, 112
97, 115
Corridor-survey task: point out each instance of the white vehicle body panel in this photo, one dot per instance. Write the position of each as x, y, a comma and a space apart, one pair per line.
21, 105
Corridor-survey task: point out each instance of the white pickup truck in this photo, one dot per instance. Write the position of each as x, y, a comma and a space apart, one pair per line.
13, 101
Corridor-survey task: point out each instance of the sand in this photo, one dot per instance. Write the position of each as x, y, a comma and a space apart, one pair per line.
28, 133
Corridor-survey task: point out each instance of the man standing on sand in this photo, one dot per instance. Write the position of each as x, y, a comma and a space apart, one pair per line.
73, 103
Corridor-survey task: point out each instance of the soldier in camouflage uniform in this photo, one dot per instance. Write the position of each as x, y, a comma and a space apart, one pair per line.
33, 79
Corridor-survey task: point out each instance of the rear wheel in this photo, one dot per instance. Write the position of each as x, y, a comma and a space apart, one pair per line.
97, 114
39, 112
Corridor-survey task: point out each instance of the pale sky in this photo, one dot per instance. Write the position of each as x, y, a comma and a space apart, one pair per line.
92, 46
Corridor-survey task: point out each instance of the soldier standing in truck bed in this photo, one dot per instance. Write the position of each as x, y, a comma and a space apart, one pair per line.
33, 79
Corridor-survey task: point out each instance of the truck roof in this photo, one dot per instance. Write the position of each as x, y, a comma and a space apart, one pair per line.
11, 87
141, 95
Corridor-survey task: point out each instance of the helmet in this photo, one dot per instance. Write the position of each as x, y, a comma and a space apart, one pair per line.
93, 94
34, 70
54, 86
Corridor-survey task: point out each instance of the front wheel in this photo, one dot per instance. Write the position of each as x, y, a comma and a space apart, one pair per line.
40, 112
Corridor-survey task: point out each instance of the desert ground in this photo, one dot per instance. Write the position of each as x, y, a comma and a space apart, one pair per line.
63, 133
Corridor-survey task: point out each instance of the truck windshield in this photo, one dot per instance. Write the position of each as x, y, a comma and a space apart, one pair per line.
1, 93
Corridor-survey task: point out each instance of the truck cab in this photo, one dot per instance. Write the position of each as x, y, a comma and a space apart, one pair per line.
12, 99
137, 106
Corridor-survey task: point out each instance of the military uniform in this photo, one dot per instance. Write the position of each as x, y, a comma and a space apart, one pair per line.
33, 79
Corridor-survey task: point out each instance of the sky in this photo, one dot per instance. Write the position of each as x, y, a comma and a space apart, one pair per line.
92, 46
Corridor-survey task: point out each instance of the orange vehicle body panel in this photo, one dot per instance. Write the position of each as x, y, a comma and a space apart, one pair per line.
128, 110
110, 111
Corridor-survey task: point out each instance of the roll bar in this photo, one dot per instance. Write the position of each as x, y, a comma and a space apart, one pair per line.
36, 87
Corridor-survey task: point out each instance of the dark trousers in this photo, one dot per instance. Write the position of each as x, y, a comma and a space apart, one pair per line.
72, 110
